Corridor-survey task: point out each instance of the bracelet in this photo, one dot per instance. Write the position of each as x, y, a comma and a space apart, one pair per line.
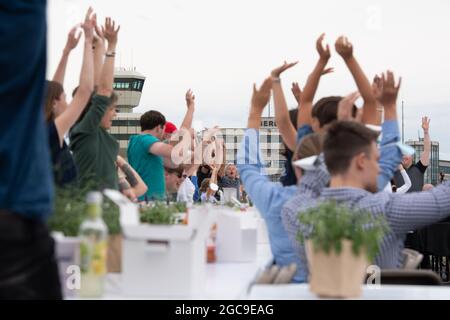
276, 79
110, 54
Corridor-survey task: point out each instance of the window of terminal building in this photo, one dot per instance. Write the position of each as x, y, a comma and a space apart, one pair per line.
128, 84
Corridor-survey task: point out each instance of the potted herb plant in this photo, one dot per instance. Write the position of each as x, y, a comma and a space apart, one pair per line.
340, 242
69, 213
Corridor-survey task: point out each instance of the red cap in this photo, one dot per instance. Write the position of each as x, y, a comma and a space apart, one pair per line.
170, 128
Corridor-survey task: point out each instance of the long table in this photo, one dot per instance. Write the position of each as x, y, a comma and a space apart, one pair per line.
384, 292
223, 280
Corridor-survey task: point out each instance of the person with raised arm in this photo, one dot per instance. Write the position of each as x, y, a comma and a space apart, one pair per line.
148, 155
95, 150
269, 197
416, 172
60, 115
353, 160
293, 131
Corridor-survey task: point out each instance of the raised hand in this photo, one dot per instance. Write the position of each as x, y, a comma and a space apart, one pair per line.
345, 107
110, 32
261, 97
327, 71
72, 38
297, 92
278, 71
324, 52
389, 92
344, 48
89, 23
98, 35
377, 86
425, 124
190, 99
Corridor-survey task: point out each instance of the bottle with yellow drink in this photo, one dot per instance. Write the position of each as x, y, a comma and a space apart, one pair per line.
93, 235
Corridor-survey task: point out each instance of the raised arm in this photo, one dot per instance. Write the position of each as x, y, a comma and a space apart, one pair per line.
190, 103
377, 87
249, 160
405, 187
345, 49
99, 54
390, 155
132, 177
287, 130
309, 91
297, 93
110, 32
425, 156
68, 118
72, 42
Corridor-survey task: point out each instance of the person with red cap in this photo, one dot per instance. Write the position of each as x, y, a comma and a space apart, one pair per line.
169, 130
149, 153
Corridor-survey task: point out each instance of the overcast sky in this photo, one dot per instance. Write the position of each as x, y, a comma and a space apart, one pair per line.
219, 48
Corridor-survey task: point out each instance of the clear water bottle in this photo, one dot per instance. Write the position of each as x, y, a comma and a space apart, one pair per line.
93, 248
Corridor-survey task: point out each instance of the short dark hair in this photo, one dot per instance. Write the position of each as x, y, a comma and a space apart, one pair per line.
152, 119
178, 171
343, 141
325, 110
293, 114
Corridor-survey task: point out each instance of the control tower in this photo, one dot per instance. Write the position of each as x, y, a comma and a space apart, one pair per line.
128, 85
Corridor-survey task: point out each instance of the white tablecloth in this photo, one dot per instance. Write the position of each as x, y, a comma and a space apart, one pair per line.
385, 292
223, 280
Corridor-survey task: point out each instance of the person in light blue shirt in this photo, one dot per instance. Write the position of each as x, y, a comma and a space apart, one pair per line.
269, 197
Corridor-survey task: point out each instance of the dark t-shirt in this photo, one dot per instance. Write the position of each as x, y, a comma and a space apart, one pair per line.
64, 169
202, 176
25, 171
288, 178
94, 149
416, 174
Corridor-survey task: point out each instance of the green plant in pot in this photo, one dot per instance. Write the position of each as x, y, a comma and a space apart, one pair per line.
159, 213
340, 243
70, 211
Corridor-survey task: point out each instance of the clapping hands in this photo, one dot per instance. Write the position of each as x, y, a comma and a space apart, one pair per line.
110, 32
278, 71
261, 97
89, 23
190, 99
388, 91
344, 48
73, 38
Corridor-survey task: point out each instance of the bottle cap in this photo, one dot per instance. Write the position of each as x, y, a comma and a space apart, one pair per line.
94, 197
